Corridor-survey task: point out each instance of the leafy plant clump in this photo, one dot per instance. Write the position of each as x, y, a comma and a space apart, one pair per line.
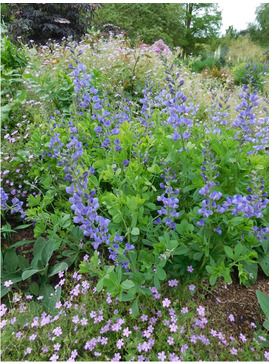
170, 185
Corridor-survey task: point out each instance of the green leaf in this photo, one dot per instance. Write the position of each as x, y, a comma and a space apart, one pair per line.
84, 268
34, 288
20, 243
47, 252
57, 268
22, 263
38, 247
135, 231
29, 273
263, 300
23, 226
156, 282
160, 273
100, 285
117, 218
264, 263
127, 284
229, 252
238, 250
134, 220
135, 309
118, 273
126, 297
266, 324
34, 200
10, 260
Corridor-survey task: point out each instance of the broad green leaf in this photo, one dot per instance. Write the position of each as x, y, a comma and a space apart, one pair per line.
10, 260
34, 288
20, 243
38, 247
160, 273
117, 218
29, 273
263, 300
128, 284
264, 263
135, 309
23, 263
100, 285
135, 231
229, 252
156, 282
57, 268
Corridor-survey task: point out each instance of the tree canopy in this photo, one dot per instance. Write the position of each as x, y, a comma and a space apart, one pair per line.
177, 24
259, 31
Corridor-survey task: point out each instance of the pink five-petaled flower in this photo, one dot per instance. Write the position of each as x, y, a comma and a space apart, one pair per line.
173, 327
266, 355
173, 283
117, 357
191, 287
28, 351
54, 357
120, 343
190, 269
242, 337
56, 347
8, 283
144, 318
201, 311
184, 310
84, 321
57, 331
127, 332
170, 340
166, 302
162, 356
233, 351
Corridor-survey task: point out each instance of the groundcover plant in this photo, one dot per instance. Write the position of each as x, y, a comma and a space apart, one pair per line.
133, 201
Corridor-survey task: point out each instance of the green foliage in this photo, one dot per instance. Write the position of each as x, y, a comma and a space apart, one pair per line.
205, 62
13, 64
148, 22
259, 31
17, 268
251, 73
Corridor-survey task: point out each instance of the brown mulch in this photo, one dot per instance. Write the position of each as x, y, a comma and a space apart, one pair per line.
238, 300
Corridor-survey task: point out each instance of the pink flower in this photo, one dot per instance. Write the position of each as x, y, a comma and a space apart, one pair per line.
162, 356
8, 283
231, 318
127, 332
191, 287
120, 343
233, 351
201, 311
170, 340
173, 327
184, 310
166, 302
